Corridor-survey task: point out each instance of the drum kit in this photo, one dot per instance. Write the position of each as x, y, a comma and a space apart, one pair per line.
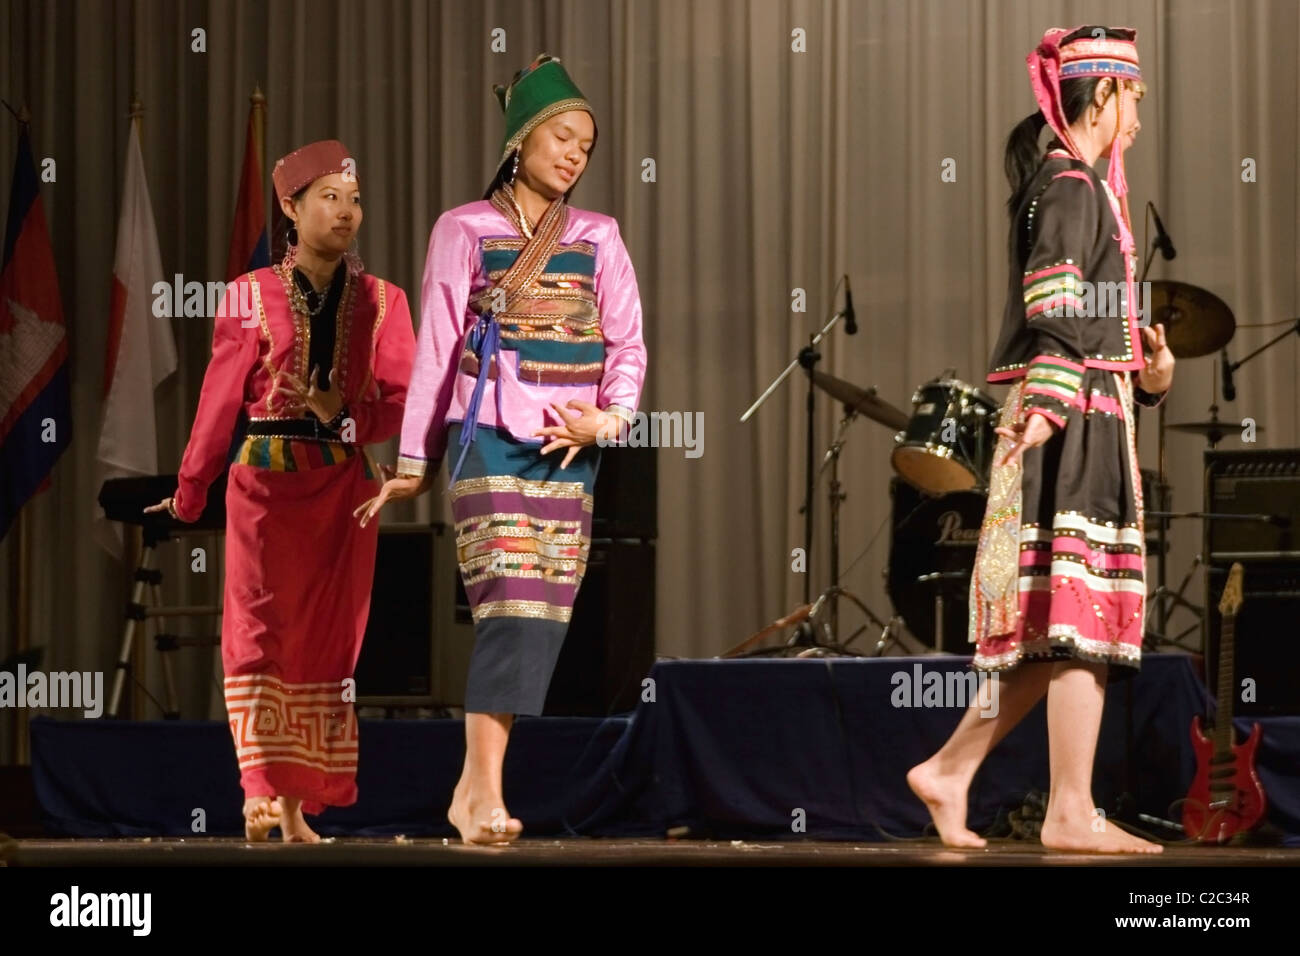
942, 460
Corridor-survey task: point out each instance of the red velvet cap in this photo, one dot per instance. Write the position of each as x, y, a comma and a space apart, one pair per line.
306, 165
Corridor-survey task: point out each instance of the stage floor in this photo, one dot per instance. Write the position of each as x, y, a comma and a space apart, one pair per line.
215, 851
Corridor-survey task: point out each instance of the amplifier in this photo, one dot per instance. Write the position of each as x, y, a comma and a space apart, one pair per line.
1265, 483
416, 649
626, 493
420, 635
610, 646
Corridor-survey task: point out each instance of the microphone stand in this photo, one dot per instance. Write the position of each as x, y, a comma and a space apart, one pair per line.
1233, 366
807, 358
1161, 486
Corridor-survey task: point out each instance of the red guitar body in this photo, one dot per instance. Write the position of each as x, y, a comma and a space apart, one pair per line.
1226, 796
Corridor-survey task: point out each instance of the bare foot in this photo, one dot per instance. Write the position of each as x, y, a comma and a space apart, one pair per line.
261, 816
945, 798
1085, 833
481, 821
293, 828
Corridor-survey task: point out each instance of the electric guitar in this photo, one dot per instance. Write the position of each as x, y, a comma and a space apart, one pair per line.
1226, 796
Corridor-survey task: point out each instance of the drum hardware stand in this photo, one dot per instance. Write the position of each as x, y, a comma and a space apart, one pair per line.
830, 598
890, 635
938, 578
897, 625
1162, 598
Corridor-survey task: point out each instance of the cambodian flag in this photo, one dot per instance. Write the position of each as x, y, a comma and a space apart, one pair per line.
35, 412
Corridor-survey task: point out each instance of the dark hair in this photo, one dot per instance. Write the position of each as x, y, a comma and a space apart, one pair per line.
1022, 156
280, 225
505, 169
502, 177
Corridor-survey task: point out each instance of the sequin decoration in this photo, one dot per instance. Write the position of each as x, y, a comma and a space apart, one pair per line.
995, 597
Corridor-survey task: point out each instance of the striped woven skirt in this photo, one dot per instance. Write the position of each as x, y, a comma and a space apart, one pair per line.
1060, 566
523, 532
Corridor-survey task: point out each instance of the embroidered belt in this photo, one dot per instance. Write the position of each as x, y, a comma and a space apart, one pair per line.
540, 373
294, 454
310, 428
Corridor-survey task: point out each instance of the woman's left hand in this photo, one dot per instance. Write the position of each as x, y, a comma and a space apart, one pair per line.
1158, 373
324, 405
578, 431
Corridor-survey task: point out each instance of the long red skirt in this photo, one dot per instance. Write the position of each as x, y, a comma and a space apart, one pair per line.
299, 569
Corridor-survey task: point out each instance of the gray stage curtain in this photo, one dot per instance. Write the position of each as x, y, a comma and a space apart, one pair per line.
776, 170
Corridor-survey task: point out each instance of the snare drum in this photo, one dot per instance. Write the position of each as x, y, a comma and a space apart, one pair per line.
949, 442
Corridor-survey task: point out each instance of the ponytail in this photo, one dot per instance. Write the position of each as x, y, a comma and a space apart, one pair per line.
1021, 159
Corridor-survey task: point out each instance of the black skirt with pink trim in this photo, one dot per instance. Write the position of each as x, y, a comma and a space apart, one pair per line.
1060, 567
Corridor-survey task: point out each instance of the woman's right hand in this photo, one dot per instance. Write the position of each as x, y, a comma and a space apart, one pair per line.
1027, 434
167, 505
395, 488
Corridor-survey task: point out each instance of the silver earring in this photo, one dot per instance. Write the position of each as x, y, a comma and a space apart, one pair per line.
515, 171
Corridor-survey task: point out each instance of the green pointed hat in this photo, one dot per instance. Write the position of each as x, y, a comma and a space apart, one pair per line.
538, 91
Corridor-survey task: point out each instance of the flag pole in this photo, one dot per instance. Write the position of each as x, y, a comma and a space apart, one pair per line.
133, 539
23, 628
257, 102
23, 576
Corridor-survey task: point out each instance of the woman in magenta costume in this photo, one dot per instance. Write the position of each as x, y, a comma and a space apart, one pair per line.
320, 370
529, 355
1058, 590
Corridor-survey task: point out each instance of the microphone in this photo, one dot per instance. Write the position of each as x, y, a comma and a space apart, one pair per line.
850, 317
1162, 240
1229, 389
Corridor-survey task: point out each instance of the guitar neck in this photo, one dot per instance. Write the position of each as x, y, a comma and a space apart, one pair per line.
1227, 686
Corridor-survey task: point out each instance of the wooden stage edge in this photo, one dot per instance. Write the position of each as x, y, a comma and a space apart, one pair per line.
387, 852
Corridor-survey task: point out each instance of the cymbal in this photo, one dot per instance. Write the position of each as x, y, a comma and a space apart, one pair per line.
1196, 322
1211, 427
863, 400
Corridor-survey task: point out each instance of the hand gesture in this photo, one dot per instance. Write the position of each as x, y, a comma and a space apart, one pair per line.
394, 489
168, 505
1027, 434
578, 431
1158, 374
323, 404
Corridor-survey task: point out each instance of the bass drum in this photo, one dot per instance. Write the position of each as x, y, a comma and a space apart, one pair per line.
932, 554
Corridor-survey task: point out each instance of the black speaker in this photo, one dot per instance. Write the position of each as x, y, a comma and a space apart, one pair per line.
420, 635
1265, 484
414, 647
626, 494
610, 646
1266, 642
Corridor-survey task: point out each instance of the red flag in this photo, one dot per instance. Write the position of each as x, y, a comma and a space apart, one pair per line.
249, 246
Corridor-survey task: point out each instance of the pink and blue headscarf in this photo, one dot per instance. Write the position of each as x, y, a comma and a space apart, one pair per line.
1066, 55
